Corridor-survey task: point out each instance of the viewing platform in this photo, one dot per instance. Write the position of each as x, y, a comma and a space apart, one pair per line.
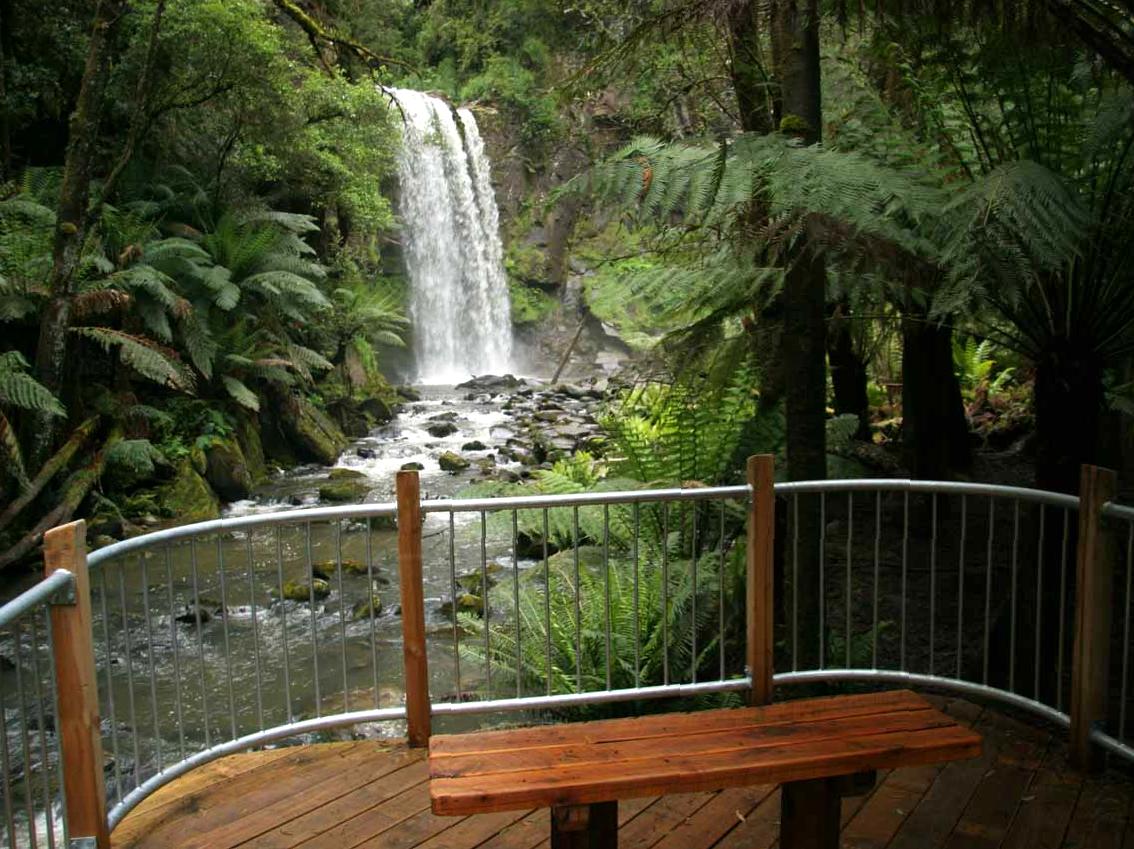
1020, 794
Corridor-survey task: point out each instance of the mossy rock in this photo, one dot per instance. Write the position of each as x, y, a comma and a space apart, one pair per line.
466, 603
452, 462
530, 546
252, 447
440, 430
412, 467
475, 445
227, 471
345, 486
590, 557
471, 582
310, 431
188, 497
301, 592
368, 608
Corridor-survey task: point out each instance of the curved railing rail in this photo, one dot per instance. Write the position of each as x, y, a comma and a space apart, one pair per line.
237, 633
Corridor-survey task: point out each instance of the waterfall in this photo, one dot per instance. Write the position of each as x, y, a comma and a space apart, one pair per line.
451, 242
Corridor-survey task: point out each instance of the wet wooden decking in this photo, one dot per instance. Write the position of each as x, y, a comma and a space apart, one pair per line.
1019, 795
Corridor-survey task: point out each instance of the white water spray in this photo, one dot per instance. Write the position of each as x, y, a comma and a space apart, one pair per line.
451, 242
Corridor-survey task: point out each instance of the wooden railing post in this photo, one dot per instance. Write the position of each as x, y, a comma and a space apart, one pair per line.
80, 738
413, 607
758, 596
1094, 586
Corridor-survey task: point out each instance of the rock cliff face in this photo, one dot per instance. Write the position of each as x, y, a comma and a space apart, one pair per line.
546, 277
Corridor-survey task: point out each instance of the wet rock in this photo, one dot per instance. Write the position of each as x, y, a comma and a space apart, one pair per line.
366, 453
204, 611
297, 591
450, 416
441, 429
309, 430
552, 415
451, 462
412, 467
493, 383
466, 603
188, 497
344, 486
407, 393
475, 445
227, 470
368, 608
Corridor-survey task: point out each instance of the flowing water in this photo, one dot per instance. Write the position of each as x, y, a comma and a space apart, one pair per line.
451, 243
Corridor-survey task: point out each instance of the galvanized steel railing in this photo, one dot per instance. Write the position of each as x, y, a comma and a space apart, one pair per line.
968, 588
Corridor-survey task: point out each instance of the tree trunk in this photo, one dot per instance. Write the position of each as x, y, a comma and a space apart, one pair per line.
935, 433
795, 53
848, 372
749, 78
71, 217
6, 18
1068, 405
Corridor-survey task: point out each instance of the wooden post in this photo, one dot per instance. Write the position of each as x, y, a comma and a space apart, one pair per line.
80, 740
809, 814
761, 563
585, 826
1094, 586
413, 607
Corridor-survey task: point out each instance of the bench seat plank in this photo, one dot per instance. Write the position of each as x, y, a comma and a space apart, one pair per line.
584, 763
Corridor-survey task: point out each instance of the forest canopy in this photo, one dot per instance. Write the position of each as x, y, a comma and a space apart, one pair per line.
200, 245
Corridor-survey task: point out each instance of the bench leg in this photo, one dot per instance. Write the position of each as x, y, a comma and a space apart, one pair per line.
810, 810
585, 826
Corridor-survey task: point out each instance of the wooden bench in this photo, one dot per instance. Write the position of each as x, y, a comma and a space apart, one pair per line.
819, 750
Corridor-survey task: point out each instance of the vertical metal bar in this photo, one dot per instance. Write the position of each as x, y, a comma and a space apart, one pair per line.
6, 766
25, 741
849, 586
1062, 611
516, 605
484, 602
547, 600
151, 662
314, 619
1012, 616
174, 641
224, 634
988, 587
59, 778
905, 575
200, 641
1039, 605
637, 616
255, 632
606, 579
665, 592
370, 589
877, 572
129, 658
44, 760
578, 605
104, 589
283, 623
822, 581
720, 598
693, 597
453, 596
1126, 630
932, 582
342, 611
795, 582
961, 586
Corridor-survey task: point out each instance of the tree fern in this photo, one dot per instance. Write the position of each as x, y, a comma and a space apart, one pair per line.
19, 390
148, 359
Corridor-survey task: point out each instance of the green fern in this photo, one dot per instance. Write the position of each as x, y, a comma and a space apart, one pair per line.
20, 390
142, 355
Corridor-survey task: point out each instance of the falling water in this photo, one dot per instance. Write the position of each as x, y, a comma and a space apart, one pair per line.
451, 241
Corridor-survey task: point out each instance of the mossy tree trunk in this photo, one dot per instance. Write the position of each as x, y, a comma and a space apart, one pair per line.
848, 371
935, 433
72, 219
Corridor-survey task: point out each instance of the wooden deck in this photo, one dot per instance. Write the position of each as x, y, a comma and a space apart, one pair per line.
1019, 795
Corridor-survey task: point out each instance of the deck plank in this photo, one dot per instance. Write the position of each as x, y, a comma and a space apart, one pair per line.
1046, 809
887, 807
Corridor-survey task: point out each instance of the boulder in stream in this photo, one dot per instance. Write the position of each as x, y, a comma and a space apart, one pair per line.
345, 486
441, 429
452, 462
301, 592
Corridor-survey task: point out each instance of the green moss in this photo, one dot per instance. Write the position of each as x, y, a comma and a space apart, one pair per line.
529, 306
794, 125
297, 591
188, 498
526, 263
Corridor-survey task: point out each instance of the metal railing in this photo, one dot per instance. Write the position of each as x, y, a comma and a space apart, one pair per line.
227, 635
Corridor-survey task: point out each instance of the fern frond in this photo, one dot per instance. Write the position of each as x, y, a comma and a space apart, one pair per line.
148, 359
